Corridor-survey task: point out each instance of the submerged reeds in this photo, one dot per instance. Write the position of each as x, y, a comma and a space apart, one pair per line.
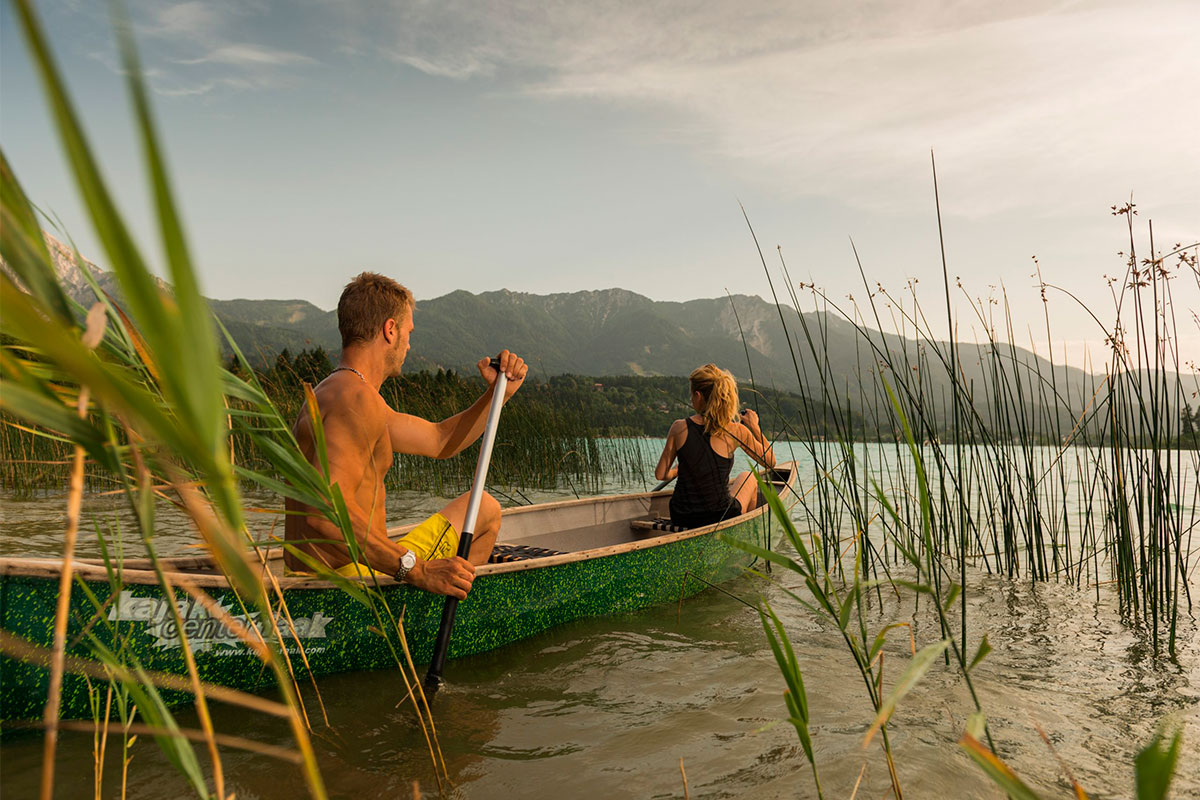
952, 460
1037, 471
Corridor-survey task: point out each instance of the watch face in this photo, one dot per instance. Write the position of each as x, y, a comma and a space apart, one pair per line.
409, 560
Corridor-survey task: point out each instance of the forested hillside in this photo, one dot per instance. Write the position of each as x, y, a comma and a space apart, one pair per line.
612, 405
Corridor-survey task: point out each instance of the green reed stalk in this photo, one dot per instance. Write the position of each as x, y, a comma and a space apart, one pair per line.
160, 385
990, 456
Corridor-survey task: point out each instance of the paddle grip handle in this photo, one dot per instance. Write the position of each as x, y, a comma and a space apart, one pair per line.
441, 647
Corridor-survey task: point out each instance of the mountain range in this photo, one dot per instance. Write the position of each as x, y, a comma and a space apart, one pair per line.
618, 332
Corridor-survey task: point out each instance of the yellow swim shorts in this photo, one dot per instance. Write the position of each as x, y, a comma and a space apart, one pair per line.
351, 570
433, 538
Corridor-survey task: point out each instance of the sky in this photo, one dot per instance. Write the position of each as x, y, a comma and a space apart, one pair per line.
563, 146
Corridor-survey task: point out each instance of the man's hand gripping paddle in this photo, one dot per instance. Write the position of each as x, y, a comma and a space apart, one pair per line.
433, 678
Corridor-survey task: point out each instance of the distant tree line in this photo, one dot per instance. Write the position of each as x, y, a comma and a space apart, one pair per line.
613, 405
551, 416
610, 405
1189, 427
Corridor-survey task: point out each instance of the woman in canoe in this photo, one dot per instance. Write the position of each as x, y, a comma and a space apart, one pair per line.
704, 445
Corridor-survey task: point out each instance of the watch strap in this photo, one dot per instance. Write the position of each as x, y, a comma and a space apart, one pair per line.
407, 562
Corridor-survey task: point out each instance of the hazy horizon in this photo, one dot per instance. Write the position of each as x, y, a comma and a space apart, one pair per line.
555, 147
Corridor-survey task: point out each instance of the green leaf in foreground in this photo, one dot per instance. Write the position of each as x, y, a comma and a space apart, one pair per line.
881, 638
916, 668
1155, 765
795, 697
981, 653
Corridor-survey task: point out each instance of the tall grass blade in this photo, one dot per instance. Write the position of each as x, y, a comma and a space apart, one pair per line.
1154, 765
912, 674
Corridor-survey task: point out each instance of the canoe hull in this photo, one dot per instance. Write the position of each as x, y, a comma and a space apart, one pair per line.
339, 633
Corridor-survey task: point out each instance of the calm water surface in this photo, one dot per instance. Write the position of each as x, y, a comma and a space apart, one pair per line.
609, 707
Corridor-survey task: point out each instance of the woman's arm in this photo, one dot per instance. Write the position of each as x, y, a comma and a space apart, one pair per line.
664, 471
750, 436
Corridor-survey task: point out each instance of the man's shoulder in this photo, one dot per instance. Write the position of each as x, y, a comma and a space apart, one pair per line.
336, 397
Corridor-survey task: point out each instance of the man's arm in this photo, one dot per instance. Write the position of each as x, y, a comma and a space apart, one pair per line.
420, 437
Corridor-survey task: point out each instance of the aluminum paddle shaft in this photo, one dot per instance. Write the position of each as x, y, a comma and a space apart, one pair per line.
441, 647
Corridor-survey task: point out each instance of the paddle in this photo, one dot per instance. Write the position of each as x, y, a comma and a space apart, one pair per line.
662, 485
441, 647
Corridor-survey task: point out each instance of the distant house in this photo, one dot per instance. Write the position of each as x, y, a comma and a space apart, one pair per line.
598, 386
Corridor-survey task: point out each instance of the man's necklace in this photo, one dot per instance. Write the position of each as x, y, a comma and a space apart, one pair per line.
349, 369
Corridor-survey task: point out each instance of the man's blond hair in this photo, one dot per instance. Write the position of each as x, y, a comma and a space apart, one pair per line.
367, 302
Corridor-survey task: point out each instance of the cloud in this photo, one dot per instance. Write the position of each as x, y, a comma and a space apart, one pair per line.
575, 37
196, 89
192, 20
442, 68
1028, 104
248, 55
200, 48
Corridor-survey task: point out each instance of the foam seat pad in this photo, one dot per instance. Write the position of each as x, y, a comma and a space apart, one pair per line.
659, 524
504, 553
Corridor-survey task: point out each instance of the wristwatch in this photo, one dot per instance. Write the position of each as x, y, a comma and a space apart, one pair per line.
407, 562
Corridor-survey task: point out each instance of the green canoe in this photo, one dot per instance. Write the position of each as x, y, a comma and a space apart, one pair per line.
604, 559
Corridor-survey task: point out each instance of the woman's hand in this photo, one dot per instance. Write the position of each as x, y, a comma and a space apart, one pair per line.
750, 419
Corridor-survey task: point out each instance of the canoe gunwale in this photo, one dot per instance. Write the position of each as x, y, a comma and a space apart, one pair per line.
90, 570
52, 567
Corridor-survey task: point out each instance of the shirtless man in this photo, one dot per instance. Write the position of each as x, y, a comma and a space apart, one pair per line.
375, 318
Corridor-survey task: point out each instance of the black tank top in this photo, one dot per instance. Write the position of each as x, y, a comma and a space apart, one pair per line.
702, 486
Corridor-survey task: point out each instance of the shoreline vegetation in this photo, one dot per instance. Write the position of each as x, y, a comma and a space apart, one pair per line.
140, 393
1112, 507
550, 435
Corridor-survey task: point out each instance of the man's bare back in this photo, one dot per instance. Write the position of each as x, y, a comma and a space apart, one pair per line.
354, 423
361, 435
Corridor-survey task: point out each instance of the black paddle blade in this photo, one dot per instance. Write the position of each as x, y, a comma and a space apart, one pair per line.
433, 678
441, 646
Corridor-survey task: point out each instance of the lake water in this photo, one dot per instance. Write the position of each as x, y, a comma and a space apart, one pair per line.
609, 708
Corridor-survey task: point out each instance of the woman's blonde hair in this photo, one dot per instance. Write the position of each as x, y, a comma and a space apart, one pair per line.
720, 393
